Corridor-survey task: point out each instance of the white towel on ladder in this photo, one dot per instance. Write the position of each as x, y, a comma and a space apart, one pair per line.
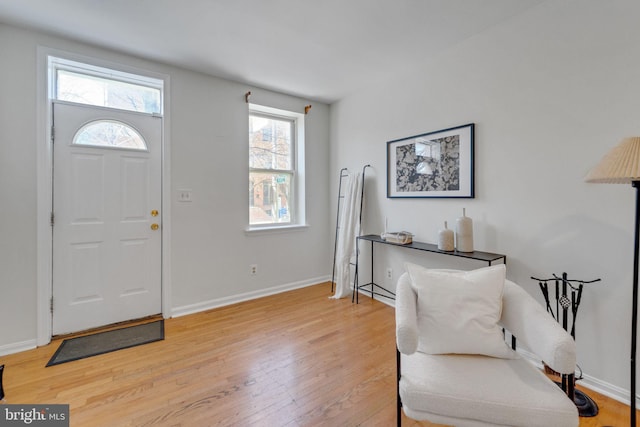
348, 230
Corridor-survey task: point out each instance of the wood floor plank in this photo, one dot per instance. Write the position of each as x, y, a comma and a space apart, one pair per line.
293, 359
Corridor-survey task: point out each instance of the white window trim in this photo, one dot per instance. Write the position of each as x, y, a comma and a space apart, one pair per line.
103, 71
288, 228
298, 222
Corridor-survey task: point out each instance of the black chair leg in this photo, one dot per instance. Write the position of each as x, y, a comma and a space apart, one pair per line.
399, 402
1, 388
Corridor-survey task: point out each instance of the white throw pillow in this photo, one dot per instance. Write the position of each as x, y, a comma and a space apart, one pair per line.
459, 311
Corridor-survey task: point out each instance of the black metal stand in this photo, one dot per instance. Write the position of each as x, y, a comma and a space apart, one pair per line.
586, 406
356, 287
487, 257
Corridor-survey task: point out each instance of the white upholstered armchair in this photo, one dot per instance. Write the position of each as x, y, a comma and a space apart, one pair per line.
454, 366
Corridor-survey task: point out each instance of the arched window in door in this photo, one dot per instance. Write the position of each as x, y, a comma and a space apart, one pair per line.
109, 134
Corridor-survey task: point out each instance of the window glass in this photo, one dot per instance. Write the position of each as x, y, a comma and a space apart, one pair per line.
94, 90
272, 168
109, 133
270, 143
271, 197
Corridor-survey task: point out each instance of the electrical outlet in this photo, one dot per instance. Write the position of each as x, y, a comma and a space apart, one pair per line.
389, 273
184, 195
253, 269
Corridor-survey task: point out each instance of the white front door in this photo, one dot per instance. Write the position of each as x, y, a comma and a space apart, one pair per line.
106, 212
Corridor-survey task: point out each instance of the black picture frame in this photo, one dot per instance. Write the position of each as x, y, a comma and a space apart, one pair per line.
436, 164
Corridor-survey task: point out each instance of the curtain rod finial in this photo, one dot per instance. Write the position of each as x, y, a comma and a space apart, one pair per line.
246, 97
307, 108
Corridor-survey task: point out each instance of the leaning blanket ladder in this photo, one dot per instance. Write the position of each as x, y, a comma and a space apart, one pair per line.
344, 173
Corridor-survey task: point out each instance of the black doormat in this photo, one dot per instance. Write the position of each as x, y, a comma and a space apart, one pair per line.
105, 342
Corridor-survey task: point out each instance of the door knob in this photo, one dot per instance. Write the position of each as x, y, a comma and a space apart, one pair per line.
154, 213
154, 226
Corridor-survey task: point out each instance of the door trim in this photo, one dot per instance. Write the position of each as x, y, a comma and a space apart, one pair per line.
44, 162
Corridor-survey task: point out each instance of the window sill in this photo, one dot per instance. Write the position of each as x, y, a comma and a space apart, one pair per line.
258, 231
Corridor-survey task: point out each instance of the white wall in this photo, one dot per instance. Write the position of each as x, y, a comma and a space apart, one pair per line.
17, 189
210, 252
550, 92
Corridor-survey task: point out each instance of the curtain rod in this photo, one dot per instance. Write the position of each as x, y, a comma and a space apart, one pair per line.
248, 95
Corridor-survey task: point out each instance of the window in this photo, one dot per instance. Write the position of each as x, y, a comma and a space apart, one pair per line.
93, 85
109, 133
275, 167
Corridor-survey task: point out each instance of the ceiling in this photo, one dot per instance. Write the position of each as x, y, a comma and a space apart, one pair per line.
321, 50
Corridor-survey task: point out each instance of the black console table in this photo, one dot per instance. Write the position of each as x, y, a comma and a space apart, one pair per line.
487, 257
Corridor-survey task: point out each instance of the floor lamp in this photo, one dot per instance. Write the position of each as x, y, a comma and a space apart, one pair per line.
621, 165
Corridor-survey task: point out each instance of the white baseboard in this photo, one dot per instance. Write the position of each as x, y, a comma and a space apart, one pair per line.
233, 299
613, 391
606, 389
17, 347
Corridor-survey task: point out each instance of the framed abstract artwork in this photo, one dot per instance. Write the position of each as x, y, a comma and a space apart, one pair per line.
434, 164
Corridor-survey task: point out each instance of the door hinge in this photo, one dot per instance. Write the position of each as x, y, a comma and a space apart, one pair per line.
52, 219
51, 305
53, 133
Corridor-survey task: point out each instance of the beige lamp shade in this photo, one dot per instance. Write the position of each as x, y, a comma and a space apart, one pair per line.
621, 165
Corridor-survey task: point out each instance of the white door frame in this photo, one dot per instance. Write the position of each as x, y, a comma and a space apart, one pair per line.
44, 153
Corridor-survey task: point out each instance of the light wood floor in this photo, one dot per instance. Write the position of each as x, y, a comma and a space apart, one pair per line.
293, 359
